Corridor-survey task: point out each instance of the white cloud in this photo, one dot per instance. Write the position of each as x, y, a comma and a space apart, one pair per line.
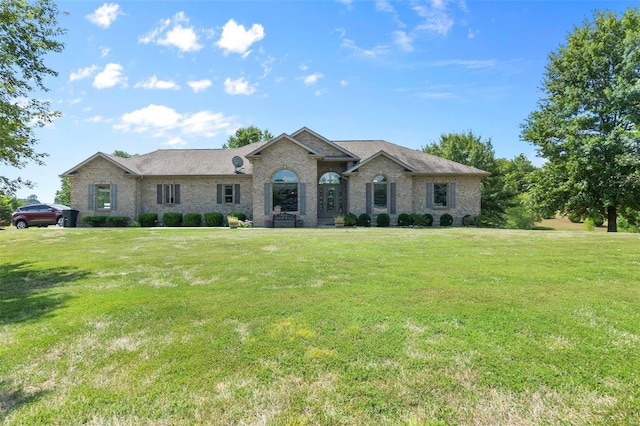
96, 119
344, 83
83, 73
199, 85
170, 32
154, 83
403, 41
238, 87
303, 67
311, 79
109, 77
366, 53
177, 141
235, 39
165, 122
154, 118
266, 66
436, 19
205, 123
105, 15
104, 51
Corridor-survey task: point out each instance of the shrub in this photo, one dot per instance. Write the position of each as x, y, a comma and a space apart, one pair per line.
134, 224
117, 221
468, 220
404, 219
172, 219
485, 221
427, 220
446, 220
239, 215
94, 220
245, 224
350, 219
574, 217
364, 220
597, 218
626, 225
192, 219
148, 219
214, 219
588, 224
383, 220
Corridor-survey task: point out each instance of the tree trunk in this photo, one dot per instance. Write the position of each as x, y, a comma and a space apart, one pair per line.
612, 219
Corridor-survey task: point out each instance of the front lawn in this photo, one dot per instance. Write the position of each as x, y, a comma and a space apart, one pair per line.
318, 326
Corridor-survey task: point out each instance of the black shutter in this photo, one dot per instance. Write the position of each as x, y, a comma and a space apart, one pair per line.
219, 193
303, 199
367, 197
159, 192
236, 193
267, 198
114, 196
176, 189
452, 197
429, 195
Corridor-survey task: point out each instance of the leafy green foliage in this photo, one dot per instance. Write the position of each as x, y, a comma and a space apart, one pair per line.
28, 32
239, 215
468, 220
214, 219
383, 220
63, 195
172, 219
148, 219
587, 123
96, 221
404, 219
364, 220
350, 219
7, 206
117, 221
446, 220
247, 135
424, 220
192, 219
508, 179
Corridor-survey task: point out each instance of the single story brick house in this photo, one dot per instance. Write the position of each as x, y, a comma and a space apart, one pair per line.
303, 174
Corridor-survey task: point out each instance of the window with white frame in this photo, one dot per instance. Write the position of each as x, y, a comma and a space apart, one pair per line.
228, 194
168, 193
103, 197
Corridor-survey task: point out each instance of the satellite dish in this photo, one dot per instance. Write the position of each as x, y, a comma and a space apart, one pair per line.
237, 162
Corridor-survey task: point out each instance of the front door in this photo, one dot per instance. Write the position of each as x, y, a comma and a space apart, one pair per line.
329, 200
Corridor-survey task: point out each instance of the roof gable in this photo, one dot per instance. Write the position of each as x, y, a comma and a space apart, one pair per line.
115, 160
256, 153
323, 145
355, 168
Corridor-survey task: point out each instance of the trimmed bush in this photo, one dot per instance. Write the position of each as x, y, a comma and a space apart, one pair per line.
350, 219
574, 218
192, 219
214, 219
468, 220
134, 224
172, 219
239, 215
364, 220
446, 220
404, 219
383, 220
95, 220
148, 219
117, 221
426, 220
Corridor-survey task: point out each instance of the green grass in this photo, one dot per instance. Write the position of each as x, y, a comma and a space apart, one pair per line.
319, 326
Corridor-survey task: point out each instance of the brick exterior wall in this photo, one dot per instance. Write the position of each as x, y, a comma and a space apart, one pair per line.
280, 156
198, 194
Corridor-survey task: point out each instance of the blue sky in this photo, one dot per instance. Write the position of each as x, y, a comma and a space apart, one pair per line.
144, 75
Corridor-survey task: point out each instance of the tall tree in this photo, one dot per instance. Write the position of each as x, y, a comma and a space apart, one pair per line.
63, 195
471, 150
247, 135
123, 154
28, 31
587, 125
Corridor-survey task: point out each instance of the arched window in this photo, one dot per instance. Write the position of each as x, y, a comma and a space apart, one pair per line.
330, 178
380, 197
285, 190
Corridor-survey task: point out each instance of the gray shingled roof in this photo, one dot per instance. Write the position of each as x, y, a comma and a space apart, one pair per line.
208, 162
419, 161
188, 162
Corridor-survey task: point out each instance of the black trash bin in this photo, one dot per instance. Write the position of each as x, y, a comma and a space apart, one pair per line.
70, 217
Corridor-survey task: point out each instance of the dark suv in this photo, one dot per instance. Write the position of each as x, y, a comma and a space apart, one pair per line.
38, 215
